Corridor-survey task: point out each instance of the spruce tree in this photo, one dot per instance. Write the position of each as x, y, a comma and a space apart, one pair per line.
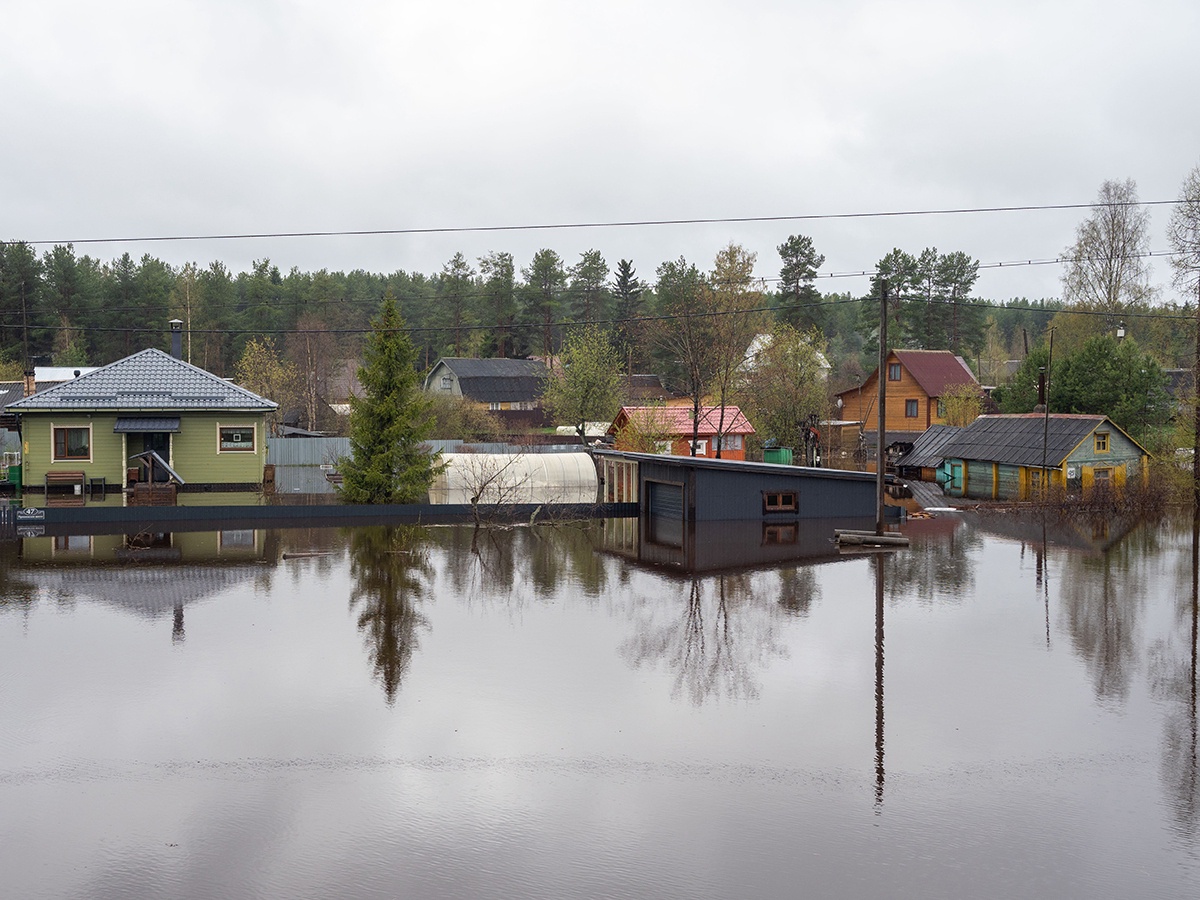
387, 463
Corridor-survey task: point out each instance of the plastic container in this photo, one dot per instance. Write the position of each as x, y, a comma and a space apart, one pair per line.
780, 455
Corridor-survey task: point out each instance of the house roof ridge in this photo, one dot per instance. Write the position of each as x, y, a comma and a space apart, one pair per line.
150, 379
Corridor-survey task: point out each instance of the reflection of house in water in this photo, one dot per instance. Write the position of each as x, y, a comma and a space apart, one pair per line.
1092, 534
151, 575
729, 546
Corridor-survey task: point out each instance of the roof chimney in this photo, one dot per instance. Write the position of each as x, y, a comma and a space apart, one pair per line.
30, 383
176, 338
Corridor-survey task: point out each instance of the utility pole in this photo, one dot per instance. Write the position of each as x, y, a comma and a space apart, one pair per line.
1046, 417
882, 417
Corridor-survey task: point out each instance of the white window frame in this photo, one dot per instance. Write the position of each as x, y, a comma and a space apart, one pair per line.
731, 442
54, 458
699, 447
252, 428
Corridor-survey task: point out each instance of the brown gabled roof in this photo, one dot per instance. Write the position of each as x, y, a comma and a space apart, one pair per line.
936, 370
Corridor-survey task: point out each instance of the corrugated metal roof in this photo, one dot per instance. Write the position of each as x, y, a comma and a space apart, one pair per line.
1017, 439
134, 424
926, 452
149, 380
11, 392
935, 370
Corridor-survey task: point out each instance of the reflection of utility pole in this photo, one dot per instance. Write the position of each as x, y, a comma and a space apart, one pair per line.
1044, 577
878, 683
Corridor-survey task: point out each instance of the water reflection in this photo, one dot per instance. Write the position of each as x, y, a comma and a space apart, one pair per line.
392, 573
941, 565
152, 575
664, 732
799, 589
712, 636
879, 719
1173, 678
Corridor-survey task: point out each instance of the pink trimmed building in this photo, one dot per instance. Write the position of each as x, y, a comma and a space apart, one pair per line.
675, 424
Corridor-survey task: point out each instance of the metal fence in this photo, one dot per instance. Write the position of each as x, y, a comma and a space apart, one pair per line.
306, 451
328, 450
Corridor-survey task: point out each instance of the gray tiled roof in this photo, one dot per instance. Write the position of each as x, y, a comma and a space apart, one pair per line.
149, 380
1017, 439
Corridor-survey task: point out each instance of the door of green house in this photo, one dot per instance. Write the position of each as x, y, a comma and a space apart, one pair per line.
956, 478
160, 443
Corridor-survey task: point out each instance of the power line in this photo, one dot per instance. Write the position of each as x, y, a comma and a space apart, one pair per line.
566, 226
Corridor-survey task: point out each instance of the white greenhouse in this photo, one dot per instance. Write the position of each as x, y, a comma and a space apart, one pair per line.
515, 478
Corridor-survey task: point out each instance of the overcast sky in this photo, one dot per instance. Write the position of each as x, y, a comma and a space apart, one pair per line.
129, 119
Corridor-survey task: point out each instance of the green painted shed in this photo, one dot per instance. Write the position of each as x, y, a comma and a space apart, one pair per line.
1003, 457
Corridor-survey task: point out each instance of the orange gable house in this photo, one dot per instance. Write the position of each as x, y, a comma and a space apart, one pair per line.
916, 380
669, 430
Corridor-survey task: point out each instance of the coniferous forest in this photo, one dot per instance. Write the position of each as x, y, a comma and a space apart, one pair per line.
58, 307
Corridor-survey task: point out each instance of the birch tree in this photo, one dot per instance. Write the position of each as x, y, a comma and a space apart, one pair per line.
736, 317
1106, 266
1183, 231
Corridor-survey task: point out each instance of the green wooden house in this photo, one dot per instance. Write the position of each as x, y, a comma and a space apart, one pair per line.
147, 419
1002, 457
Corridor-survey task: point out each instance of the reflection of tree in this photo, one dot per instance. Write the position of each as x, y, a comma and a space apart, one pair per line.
14, 593
715, 644
1102, 612
937, 568
561, 552
491, 560
798, 588
1173, 672
391, 571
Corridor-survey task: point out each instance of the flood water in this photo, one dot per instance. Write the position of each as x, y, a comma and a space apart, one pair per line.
1006, 709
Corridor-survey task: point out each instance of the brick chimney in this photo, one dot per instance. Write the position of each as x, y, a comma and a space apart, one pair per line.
176, 338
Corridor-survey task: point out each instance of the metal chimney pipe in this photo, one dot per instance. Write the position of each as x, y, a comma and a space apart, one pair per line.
176, 338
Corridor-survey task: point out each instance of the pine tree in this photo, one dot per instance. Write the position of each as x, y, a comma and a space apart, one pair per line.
387, 463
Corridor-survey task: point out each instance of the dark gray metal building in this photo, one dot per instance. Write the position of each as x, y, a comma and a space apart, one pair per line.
675, 491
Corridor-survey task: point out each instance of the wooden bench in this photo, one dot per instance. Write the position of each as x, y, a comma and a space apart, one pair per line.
74, 480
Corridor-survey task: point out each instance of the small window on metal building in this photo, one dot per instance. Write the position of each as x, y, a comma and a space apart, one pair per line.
779, 501
910, 409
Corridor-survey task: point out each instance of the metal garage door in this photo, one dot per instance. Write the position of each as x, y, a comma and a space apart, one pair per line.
664, 513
